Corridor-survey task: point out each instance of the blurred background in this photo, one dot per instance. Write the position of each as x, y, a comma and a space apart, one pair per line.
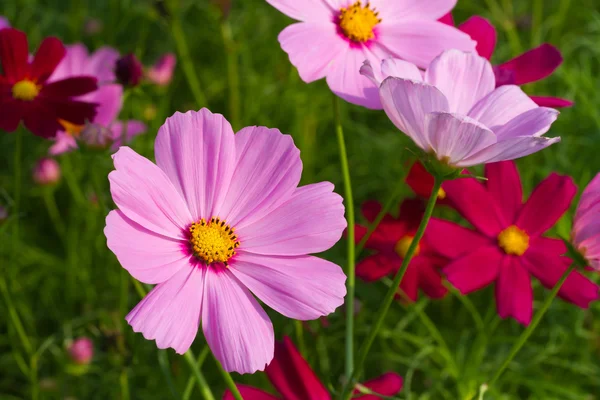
66, 284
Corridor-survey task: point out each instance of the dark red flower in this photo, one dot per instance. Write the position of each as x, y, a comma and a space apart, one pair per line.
390, 241
129, 70
26, 96
421, 182
294, 379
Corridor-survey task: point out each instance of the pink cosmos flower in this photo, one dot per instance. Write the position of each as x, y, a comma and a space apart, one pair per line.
46, 172
391, 241
455, 113
109, 97
81, 350
161, 72
586, 225
531, 66
334, 37
294, 379
507, 245
220, 216
4, 22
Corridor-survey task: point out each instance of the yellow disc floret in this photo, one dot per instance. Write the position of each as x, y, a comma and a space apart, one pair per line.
403, 245
513, 241
213, 241
25, 90
441, 194
357, 22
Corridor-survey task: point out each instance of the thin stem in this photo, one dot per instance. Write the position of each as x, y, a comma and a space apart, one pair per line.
190, 385
229, 381
300, 337
233, 80
351, 244
14, 316
389, 297
536, 320
53, 212
68, 172
124, 381
202, 384
17, 195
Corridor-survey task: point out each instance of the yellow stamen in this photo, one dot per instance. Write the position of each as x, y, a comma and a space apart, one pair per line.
25, 90
513, 241
213, 241
357, 22
71, 128
403, 245
441, 194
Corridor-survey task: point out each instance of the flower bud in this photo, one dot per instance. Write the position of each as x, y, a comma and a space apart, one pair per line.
46, 172
162, 71
96, 137
129, 70
81, 351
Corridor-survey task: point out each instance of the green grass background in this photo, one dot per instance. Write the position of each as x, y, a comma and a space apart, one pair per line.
65, 283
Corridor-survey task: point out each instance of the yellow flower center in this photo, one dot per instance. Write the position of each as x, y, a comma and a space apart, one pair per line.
71, 128
25, 90
213, 241
513, 241
441, 194
403, 245
357, 22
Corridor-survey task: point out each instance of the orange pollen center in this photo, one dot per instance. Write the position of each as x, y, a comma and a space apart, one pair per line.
71, 128
403, 245
213, 241
513, 241
441, 194
25, 90
357, 22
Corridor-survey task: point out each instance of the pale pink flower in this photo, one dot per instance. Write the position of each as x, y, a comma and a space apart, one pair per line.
161, 72
46, 172
81, 350
586, 226
4, 22
334, 37
455, 113
220, 216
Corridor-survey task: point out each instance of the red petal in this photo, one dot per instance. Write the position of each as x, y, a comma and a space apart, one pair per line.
70, 87
249, 393
475, 270
383, 239
377, 266
447, 19
41, 119
504, 184
387, 384
514, 295
411, 213
410, 282
76, 112
419, 180
451, 240
47, 58
430, 277
534, 65
483, 32
11, 113
552, 102
13, 54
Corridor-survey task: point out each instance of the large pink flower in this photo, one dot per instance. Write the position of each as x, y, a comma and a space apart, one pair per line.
220, 216
334, 37
455, 113
507, 245
109, 96
586, 226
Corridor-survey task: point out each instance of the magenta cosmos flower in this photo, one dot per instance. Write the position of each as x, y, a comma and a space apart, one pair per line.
390, 241
507, 245
294, 379
455, 113
334, 37
220, 216
109, 98
586, 226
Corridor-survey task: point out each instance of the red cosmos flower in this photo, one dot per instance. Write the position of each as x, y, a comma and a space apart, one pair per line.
293, 378
391, 241
507, 245
25, 95
531, 66
421, 182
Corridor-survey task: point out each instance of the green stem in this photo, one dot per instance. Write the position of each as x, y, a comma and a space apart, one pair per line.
202, 384
229, 381
351, 243
300, 337
17, 196
232, 74
536, 320
190, 385
68, 172
124, 381
53, 212
389, 297
14, 316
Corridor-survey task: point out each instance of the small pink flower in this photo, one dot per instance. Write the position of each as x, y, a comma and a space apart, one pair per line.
586, 225
507, 245
220, 216
161, 72
46, 172
334, 37
455, 113
81, 351
4, 22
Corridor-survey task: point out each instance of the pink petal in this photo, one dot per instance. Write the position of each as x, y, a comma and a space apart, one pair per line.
454, 137
586, 223
552, 102
4, 23
534, 122
400, 69
145, 195
548, 202
420, 41
134, 128
504, 184
483, 32
170, 313
196, 150
413, 9
475, 270
307, 10
266, 174
101, 64
301, 288
502, 105
534, 65
388, 384
514, 295
464, 78
147, 256
452, 240
410, 283
237, 329
407, 102
313, 48
63, 144
73, 64
249, 393
109, 99
376, 266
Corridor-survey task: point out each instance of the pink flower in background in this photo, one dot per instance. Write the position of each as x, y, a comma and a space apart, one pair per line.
586, 225
294, 379
507, 245
531, 66
3, 214
4, 23
81, 351
46, 172
335, 37
109, 97
455, 112
221, 216
161, 72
